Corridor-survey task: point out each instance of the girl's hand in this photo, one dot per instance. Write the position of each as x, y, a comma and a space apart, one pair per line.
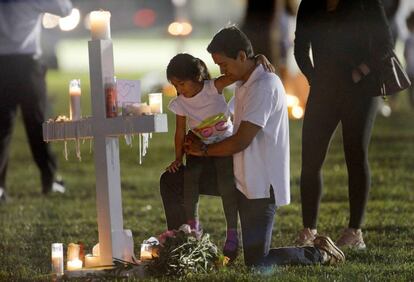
174, 166
262, 60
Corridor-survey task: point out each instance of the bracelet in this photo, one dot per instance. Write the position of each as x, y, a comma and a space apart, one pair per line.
204, 149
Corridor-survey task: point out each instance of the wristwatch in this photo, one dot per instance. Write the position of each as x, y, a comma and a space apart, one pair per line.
204, 149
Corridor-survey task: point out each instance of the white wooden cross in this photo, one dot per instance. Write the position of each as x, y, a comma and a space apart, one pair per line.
114, 241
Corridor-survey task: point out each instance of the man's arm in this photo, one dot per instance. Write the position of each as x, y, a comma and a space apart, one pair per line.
302, 40
229, 146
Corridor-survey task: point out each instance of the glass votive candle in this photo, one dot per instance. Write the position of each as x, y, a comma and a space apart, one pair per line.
155, 102
57, 259
146, 252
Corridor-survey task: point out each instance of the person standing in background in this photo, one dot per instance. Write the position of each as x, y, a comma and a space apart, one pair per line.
339, 34
23, 83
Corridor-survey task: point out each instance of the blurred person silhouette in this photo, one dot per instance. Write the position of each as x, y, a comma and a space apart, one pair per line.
23, 83
391, 8
265, 23
336, 30
409, 55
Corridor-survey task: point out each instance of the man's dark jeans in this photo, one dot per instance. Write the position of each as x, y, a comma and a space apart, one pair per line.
256, 217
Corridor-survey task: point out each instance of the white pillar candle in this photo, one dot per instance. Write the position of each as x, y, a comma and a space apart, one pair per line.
96, 251
73, 251
74, 264
75, 99
57, 259
155, 102
100, 25
91, 261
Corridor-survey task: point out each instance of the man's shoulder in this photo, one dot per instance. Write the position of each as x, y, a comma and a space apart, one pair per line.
268, 79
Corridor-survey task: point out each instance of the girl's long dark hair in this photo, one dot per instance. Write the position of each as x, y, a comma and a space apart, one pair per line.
183, 66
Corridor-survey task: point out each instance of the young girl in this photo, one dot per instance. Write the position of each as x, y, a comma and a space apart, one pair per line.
201, 106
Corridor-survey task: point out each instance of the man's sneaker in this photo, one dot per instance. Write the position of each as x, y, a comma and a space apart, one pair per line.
58, 187
351, 238
331, 254
306, 237
3, 196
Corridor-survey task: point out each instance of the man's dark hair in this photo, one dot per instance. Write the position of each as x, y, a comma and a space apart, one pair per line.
230, 41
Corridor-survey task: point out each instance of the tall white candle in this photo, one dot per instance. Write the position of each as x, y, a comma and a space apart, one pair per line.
155, 102
100, 25
57, 259
75, 99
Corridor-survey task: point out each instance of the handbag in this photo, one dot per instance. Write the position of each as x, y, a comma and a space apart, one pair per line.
392, 76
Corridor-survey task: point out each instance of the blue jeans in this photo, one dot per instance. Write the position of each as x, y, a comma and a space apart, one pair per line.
256, 218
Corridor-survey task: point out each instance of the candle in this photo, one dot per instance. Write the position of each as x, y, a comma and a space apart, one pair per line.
146, 252
100, 25
57, 259
75, 99
111, 97
95, 250
75, 264
91, 261
73, 251
155, 102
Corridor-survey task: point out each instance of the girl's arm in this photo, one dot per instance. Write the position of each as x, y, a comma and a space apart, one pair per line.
222, 82
180, 128
261, 59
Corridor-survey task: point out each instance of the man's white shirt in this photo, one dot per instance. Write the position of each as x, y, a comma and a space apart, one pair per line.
261, 100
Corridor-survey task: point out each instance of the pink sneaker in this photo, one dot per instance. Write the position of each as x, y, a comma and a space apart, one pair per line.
306, 237
351, 238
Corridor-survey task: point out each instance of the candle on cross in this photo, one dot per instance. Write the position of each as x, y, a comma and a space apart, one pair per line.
75, 99
100, 25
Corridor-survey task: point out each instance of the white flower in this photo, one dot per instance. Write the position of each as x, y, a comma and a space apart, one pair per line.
185, 228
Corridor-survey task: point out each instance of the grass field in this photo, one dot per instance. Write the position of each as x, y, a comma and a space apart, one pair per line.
31, 222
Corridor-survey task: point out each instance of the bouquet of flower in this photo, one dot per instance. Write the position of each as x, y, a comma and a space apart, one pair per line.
183, 252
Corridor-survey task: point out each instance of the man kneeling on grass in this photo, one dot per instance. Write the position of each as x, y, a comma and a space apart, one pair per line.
260, 149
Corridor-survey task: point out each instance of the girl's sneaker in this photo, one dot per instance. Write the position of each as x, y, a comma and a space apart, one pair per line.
231, 246
231, 249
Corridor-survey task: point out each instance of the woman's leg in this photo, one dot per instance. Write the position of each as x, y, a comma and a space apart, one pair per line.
321, 119
357, 123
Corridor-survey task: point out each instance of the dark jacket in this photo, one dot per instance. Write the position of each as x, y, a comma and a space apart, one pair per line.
357, 31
